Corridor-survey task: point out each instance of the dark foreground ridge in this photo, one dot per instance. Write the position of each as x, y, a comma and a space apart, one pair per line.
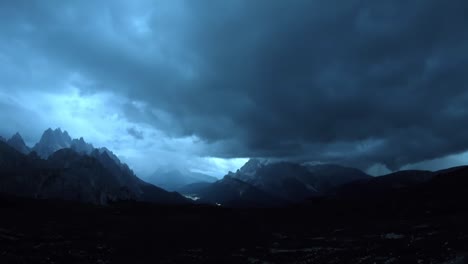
47, 231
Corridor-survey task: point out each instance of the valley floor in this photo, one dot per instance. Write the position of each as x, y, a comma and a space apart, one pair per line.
33, 231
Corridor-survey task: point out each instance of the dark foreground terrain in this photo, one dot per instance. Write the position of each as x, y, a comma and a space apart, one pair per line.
39, 231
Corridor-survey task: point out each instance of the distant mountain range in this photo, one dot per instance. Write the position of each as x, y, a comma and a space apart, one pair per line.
282, 182
231, 192
62, 168
264, 183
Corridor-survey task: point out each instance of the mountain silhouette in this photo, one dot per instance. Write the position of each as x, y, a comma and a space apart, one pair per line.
51, 141
71, 173
231, 192
17, 142
294, 181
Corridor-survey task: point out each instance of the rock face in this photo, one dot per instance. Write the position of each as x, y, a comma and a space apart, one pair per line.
98, 177
17, 142
51, 141
231, 192
266, 183
83, 178
293, 181
80, 146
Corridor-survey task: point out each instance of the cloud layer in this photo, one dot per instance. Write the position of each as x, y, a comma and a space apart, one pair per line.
361, 83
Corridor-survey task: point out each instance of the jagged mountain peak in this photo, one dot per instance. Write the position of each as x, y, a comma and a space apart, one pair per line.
54, 140
62, 172
56, 134
16, 137
58, 130
252, 165
106, 157
17, 142
51, 141
293, 180
81, 146
110, 154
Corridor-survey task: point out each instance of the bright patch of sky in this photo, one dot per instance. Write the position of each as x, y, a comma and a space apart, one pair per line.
99, 119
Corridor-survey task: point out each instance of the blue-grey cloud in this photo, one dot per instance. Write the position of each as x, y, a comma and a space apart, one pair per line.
360, 82
135, 133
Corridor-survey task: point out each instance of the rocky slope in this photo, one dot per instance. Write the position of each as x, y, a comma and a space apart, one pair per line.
295, 181
17, 142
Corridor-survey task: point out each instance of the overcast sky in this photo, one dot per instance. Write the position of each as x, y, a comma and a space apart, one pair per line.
206, 84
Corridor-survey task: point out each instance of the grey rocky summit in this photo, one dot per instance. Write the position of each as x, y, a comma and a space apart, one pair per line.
295, 181
17, 142
51, 141
80, 146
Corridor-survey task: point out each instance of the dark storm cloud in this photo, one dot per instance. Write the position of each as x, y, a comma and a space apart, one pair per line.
135, 133
358, 82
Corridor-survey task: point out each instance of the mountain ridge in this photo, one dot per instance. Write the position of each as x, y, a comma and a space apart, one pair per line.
74, 172
51, 141
232, 192
17, 142
282, 182
295, 181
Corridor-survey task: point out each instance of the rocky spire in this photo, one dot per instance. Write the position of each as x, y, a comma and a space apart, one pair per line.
17, 142
51, 141
80, 146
